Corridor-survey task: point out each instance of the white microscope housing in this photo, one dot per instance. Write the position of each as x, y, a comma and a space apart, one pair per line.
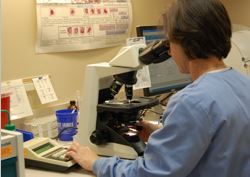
99, 76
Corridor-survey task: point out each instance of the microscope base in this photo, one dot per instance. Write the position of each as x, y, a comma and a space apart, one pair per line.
114, 149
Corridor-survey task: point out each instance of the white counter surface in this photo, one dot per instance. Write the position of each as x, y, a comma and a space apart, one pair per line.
76, 172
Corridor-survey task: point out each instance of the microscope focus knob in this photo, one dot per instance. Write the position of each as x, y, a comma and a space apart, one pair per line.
99, 137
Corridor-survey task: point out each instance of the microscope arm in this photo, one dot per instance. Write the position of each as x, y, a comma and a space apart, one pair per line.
155, 52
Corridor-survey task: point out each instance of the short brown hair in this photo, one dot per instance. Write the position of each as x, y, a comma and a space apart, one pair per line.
201, 27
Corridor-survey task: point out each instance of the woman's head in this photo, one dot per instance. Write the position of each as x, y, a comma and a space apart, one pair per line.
201, 27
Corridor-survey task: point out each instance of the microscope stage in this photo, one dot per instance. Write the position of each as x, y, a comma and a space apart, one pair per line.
126, 106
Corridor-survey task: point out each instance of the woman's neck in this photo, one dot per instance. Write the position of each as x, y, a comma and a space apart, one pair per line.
197, 67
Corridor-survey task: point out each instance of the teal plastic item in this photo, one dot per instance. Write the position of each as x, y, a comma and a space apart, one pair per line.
8, 167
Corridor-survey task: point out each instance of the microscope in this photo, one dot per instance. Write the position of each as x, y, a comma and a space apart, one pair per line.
107, 125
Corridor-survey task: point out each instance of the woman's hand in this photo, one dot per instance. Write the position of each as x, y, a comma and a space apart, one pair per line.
148, 128
83, 155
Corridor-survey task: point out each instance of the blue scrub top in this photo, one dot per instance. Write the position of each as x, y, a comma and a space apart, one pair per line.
206, 133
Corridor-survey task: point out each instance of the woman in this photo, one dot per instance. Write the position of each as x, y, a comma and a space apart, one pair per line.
206, 126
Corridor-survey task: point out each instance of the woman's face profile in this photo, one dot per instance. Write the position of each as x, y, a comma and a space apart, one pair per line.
179, 57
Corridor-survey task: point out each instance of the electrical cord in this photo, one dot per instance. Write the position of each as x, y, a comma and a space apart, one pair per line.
163, 101
60, 133
155, 112
144, 111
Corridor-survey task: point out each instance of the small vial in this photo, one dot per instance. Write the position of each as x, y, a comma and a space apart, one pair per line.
72, 105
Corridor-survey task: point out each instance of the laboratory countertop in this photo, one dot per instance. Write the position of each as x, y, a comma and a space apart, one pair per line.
76, 172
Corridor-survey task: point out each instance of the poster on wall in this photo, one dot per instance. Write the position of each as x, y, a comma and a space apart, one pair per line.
73, 25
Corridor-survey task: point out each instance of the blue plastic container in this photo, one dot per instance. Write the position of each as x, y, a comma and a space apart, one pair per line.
26, 135
67, 124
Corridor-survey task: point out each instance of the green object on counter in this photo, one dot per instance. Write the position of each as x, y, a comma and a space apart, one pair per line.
8, 126
8, 167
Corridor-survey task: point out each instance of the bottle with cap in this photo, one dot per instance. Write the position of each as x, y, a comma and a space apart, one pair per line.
72, 105
9, 125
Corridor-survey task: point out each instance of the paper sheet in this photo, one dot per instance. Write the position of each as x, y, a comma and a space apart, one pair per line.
143, 76
71, 25
19, 103
44, 89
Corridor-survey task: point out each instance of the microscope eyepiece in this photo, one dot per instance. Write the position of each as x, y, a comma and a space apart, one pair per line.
155, 52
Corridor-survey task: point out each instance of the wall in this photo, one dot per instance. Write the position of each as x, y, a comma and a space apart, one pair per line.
239, 11
66, 69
